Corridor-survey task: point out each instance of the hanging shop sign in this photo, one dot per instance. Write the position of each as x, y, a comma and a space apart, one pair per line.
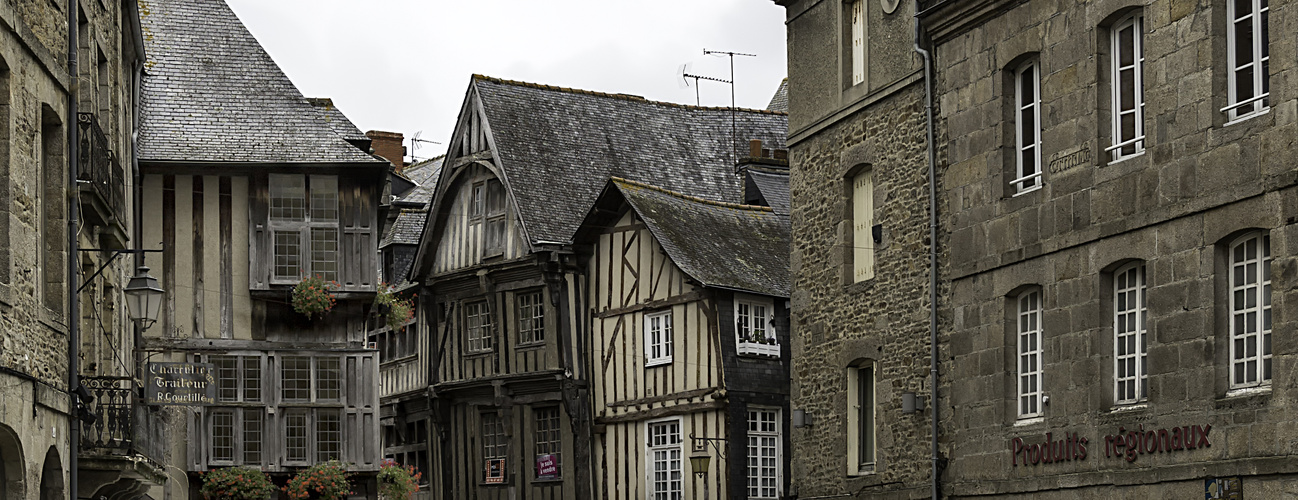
183, 384
1127, 444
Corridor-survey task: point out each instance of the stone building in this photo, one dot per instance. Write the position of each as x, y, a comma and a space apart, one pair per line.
119, 451
860, 251
248, 189
1120, 200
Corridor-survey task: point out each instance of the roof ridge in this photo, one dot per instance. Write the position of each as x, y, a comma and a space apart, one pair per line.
723, 204
624, 97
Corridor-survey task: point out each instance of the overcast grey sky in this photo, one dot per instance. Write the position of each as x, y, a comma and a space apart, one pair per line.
404, 65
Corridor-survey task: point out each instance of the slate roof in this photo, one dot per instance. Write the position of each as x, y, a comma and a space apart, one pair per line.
406, 229
726, 245
780, 101
211, 93
424, 174
336, 120
558, 147
774, 186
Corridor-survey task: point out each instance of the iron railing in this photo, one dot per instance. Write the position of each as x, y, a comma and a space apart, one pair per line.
121, 425
99, 166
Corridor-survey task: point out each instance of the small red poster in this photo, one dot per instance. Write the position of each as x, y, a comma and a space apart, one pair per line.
546, 468
495, 471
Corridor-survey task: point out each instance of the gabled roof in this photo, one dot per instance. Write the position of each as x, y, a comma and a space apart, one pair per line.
425, 175
406, 229
724, 245
780, 101
337, 121
774, 187
212, 94
557, 147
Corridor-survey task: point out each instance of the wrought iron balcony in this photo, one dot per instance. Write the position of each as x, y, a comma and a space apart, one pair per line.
121, 427
103, 182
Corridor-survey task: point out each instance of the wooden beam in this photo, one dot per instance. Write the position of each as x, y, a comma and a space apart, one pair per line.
656, 304
691, 394
666, 411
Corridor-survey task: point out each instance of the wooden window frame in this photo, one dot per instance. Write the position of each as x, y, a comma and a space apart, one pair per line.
531, 324
1257, 102
745, 343
314, 385
1250, 325
547, 438
862, 237
862, 418
1122, 147
1130, 335
319, 433
482, 333
664, 344
307, 449
495, 441
1029, 354
306, 227
757, 433
212, 416
1027, 179
856, 13
672, 442
243, 367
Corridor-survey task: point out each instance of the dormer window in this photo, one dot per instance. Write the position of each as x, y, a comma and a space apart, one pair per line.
754, 327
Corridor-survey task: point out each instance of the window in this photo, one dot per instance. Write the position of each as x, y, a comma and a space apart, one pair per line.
487, 213
763, 453
238, 378
295, 375
236, 436
863, 226
328, 378
328, 435
252, 434
658, 338
223, 435
858, 41
477, 321
1248, 57
861, 422
52, 206
531, 318
548, 441
753, 327
1129, 340
1029, 354
495, 445
664, 475
1250, 311
295, 433
304, 226
1027, 128
1127, 87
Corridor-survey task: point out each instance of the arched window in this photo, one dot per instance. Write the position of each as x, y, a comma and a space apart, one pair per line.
1027, 127
1028, 348
1250, 310
1130, 342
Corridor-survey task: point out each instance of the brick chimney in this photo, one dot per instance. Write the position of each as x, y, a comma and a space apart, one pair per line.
389, 146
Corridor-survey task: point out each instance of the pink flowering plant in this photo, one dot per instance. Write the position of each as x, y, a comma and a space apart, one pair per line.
236, 483
323, 481
399, 310
397, 482
314, 296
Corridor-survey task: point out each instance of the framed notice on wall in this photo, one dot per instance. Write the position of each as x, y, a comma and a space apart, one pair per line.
1223, 488
495, 471
546, 467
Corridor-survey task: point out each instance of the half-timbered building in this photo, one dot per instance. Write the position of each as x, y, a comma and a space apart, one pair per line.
688, 346
504, 299
247, 190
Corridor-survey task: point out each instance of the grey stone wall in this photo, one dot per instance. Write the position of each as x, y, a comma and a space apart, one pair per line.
1199, 183
886, 318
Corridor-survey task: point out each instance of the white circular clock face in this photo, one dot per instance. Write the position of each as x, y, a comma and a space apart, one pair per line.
889, 6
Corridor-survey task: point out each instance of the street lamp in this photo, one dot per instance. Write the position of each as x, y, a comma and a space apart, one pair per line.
143, 298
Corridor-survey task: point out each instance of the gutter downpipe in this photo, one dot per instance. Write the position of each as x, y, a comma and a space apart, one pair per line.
932, 247
74, 306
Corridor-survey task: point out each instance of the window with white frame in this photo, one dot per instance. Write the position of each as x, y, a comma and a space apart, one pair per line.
857, 11
304, 226
477, 325
1126, 85
754, 326
1248, 58
1027, 128
1029, 354
531, 318
1130, 376
658, 338
863, 226
861, 432
1250, 311
763, 453
664, 476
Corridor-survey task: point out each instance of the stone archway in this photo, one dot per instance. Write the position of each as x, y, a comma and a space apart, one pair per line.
52, 477
12, 485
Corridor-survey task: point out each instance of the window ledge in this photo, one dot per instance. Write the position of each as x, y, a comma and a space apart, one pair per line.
1250, 116
1024, 422
523, 346
476, 354
758, 349
657, 362
1028, 191
1123, 408
1245, 395
1126, 158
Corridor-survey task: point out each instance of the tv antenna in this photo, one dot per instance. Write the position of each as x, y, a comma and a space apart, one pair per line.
414, 145
685, 81
733, 108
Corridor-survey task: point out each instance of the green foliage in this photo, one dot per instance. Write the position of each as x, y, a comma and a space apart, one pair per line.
236, 483
313, 295
324, 481
399, 311
397, 482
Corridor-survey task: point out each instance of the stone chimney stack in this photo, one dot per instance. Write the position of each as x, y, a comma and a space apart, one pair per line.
389, 146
